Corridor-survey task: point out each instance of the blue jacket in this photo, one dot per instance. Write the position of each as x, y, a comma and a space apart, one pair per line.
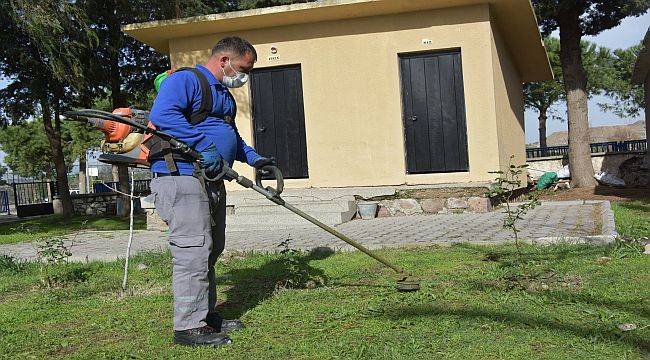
180, 95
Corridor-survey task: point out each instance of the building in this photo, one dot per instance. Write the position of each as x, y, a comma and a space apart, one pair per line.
376, 92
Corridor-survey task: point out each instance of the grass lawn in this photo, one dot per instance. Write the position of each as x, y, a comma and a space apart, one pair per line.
468, 308
53, 225
632, 218
473, 304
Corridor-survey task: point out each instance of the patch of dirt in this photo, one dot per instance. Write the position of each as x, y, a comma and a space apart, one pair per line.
378, 269
542, 281
552, 283
62, 350
149, 290
596, 214
538, 347
598, 193
492, 257
232, 255
443, 193
435, 193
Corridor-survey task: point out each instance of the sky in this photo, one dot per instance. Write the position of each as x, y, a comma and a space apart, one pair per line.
629, 33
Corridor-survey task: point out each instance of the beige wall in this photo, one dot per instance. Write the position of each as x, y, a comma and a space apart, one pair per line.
352, 97
509, 102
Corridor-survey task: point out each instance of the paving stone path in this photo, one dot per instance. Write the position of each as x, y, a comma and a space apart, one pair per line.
582, 221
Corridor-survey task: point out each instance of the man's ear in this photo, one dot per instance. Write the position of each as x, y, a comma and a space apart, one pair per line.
223, 60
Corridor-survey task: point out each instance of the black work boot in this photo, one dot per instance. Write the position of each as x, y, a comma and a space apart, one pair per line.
216, 321
203, 336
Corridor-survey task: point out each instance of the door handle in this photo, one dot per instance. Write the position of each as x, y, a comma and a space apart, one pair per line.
413, 118
261, 130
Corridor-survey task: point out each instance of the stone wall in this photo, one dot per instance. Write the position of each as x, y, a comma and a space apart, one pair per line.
608, 162
452, 205
94, 204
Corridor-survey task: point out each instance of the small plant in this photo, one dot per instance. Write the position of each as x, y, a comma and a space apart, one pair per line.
52, 253
54, 250
501, 190
297, 274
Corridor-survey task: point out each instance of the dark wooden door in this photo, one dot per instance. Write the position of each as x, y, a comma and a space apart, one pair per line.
279, 118
434, 112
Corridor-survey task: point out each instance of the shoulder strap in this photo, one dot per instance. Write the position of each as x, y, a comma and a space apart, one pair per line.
206, 96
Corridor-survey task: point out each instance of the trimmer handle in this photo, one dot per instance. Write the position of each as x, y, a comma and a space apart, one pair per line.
264, 170
226, 173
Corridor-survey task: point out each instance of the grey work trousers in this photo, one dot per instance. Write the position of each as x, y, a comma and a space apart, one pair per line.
195, 244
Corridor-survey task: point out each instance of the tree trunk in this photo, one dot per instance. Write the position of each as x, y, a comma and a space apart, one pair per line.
54, 137
646, 87
114, 46
125, 187
115, 172
575, 85
82, 174
542, 128
86, 101
121, 174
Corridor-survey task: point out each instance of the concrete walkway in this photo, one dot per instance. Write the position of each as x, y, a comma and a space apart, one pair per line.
589, 221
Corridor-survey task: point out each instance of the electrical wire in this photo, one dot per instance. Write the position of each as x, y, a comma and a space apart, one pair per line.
119, 192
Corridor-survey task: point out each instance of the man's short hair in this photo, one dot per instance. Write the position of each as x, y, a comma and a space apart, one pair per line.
235, 45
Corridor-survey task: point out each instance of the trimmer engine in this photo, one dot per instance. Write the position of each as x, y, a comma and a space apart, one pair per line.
124, 144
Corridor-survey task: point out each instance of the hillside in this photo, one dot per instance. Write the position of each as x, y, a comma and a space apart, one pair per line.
634, 131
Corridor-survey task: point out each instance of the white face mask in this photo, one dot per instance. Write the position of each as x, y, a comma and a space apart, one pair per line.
234, 81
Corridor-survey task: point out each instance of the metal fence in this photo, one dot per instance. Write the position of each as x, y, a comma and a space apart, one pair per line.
4, 202
604, 147
11, 177
34, 198
31, 196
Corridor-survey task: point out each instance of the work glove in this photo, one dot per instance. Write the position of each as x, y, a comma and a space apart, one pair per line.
262, 162
212, 160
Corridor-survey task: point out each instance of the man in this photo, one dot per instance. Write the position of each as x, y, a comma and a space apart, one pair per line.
195, 213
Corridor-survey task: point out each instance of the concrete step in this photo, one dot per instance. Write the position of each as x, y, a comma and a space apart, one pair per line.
308, 207
310, 194
287, 220
252, 211
258, 199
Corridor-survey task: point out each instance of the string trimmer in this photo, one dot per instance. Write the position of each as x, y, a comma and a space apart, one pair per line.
405, 281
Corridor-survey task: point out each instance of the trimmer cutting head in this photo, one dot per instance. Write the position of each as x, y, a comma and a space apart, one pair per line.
406, 282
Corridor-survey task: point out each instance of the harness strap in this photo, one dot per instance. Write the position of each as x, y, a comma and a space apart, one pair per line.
168, 156
161, 149
208, 193
205, 109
